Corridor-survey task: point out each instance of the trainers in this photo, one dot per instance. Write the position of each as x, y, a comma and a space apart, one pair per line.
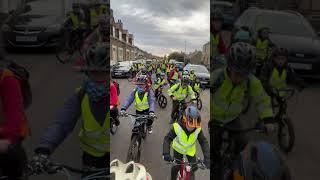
149, 129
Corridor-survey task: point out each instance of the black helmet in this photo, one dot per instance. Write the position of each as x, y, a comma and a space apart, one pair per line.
97, 58
279, 51
262, 161
185, 80
216, 14
192, 117
241, 57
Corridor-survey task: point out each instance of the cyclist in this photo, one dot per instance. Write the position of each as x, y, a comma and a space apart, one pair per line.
159, 71
114, 102
192, 76
216, 42
179, 92
197, 86
143, 98
13, 127
182, 138
263, 45
74, 24
276, 73
95, 12
161, 81
100, 34
89, 102
234, 87
174, 75
150, 69
120, 171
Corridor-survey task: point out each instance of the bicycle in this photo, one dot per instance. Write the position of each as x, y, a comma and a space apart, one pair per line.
227, 151
284, 122
199, 101
185, 167
114, 127
139, 132
161, 99
54, 168
65, 54
182, 105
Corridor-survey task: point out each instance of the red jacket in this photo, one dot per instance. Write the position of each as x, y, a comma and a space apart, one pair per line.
172, 73
114, 100
13, 125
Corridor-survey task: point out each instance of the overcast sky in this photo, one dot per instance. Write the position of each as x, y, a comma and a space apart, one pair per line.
162, 26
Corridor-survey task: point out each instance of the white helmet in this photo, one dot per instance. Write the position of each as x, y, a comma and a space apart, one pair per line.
129, 171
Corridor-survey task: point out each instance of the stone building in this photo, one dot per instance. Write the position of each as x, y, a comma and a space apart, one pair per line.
206, 54
122, 42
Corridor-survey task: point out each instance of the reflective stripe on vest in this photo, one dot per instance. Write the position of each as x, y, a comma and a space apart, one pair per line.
183, 143
278, 81
94, 138
94, 18
192, 77
214, 41
261, 49
75, 21
197, 87
181, 93
143, 104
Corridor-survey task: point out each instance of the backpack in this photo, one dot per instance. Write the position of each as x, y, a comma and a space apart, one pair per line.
23, 76
218, 82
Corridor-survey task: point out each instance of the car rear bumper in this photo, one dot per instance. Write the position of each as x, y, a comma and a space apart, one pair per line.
45, 40
306, 67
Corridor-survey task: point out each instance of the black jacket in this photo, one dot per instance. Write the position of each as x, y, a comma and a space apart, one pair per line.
201, 138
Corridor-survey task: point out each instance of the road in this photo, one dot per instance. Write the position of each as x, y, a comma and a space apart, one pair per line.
151, 156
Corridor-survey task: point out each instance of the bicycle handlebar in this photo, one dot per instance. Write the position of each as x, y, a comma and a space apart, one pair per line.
200, 164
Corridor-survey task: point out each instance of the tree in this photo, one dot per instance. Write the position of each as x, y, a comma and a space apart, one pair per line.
176, 56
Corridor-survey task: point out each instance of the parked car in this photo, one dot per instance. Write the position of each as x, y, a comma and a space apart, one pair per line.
228, 12
40, 27
180, 65
201, 73
121, 69
288, 29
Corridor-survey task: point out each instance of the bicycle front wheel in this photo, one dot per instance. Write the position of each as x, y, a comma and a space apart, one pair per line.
199, 104
286, 135
162, 101
134, 150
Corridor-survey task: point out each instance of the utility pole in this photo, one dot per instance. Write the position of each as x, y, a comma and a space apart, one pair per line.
185, 48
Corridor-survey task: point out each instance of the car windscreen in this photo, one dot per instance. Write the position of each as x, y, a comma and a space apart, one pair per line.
284, 24
199, 69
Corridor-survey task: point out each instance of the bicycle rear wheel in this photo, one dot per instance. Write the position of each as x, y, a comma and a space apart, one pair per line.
162, 101
199, 104
134, 149
286, 136
113, 128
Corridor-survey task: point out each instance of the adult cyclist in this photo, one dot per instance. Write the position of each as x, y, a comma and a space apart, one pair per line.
182, 138
89, 103
234, 88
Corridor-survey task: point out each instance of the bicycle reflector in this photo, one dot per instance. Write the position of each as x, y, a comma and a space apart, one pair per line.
191, 123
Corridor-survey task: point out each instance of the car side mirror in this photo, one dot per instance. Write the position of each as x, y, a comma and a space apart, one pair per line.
27, 8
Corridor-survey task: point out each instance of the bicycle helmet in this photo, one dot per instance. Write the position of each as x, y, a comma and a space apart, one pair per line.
241, 57
97, 58
185, 80
192, 71
192, 117
242, 36
216, 14
279, 51
262, 161
141, 79
185, 73
128, 171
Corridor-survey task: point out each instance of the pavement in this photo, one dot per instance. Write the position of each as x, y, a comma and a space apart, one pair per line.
151, 156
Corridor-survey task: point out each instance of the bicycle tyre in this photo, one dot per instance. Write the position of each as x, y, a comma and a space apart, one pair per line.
134, 150
113, 128
162, 101
283, 146
199, 104
144, 131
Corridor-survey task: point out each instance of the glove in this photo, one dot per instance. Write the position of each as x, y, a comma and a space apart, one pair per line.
152, 115
167, 158
123, 112
39, 163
